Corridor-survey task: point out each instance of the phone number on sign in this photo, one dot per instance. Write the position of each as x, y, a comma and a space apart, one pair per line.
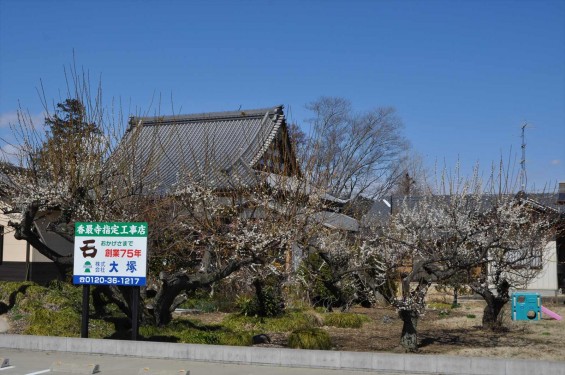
109, 280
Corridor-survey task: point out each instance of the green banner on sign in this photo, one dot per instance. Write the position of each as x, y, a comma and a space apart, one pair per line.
110, 229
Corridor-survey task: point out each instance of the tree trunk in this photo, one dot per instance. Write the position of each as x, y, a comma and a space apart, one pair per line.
163, 307
409, 337
258, 284
491, 314
331, 283
24, 230
492, 319
103, 295
172, 285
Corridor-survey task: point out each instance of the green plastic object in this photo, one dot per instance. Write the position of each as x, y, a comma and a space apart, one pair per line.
526, 306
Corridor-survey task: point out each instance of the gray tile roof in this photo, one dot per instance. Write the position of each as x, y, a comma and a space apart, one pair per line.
334, 220
381, 210
219, 149
298, 185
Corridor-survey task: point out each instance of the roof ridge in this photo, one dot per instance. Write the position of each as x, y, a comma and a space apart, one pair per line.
277, 122
205, 116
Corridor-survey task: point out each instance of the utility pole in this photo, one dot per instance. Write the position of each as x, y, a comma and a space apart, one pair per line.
523, 176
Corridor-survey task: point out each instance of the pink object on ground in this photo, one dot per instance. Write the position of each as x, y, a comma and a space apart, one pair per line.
547, 311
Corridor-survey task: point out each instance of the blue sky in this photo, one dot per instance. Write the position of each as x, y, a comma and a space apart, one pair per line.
463, 75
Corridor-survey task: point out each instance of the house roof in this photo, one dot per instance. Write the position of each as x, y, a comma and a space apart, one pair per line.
218, 149
561, 194
382, 209
335, 220
298, 185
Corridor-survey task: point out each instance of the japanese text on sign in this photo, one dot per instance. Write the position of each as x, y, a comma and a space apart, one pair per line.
111, 229
110, 253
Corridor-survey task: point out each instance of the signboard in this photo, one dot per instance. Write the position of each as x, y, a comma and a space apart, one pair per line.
110, 254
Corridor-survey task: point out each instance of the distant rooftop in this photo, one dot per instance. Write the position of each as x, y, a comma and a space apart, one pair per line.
561, 197
383, 208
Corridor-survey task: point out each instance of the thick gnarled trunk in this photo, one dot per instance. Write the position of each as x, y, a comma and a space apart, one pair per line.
167, 298
492, 318
24, 230
409, 336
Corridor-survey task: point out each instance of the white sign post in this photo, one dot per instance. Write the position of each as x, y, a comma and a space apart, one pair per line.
110, 253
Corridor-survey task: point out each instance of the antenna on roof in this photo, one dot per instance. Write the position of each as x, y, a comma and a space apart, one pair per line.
523, 176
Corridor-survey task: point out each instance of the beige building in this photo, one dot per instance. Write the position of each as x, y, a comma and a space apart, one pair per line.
18, 261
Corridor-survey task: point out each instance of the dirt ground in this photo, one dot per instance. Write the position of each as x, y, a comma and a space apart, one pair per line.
442, 330
455, 332
459, 332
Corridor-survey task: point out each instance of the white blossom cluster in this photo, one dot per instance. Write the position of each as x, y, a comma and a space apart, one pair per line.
490, 238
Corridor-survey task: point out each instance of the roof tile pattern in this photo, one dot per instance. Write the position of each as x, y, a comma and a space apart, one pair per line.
219, 149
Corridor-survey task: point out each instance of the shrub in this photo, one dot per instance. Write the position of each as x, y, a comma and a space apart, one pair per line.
285, 323
9, 290
322, 289
43, 322
192, 336
236, 338
204, 305
194, 332
345, 320
312, 338
245, 306
444, 313
206, 300
267, 301
53, 311
439, 306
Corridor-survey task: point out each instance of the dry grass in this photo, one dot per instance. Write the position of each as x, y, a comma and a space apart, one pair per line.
460, 335
442, 330
457, 333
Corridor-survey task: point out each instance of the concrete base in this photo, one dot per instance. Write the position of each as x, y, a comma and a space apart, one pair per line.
74, 368
4, 326
4, 362
147, 371
381, 362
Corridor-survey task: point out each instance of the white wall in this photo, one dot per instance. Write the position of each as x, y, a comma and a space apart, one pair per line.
547, 278
15, 250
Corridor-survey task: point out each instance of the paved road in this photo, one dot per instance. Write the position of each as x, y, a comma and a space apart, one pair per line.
27, 362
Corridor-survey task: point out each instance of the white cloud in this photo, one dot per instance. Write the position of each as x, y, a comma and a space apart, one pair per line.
9, 152
8, 118
555, 162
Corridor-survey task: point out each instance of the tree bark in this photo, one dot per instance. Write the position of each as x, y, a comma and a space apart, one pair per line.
331, 284
409, 336
24, 230
455, 302
491, 314
258, 284
492, 318
103, 295
173, 285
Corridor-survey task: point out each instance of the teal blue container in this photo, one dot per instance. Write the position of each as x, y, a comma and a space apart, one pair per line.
526, 306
